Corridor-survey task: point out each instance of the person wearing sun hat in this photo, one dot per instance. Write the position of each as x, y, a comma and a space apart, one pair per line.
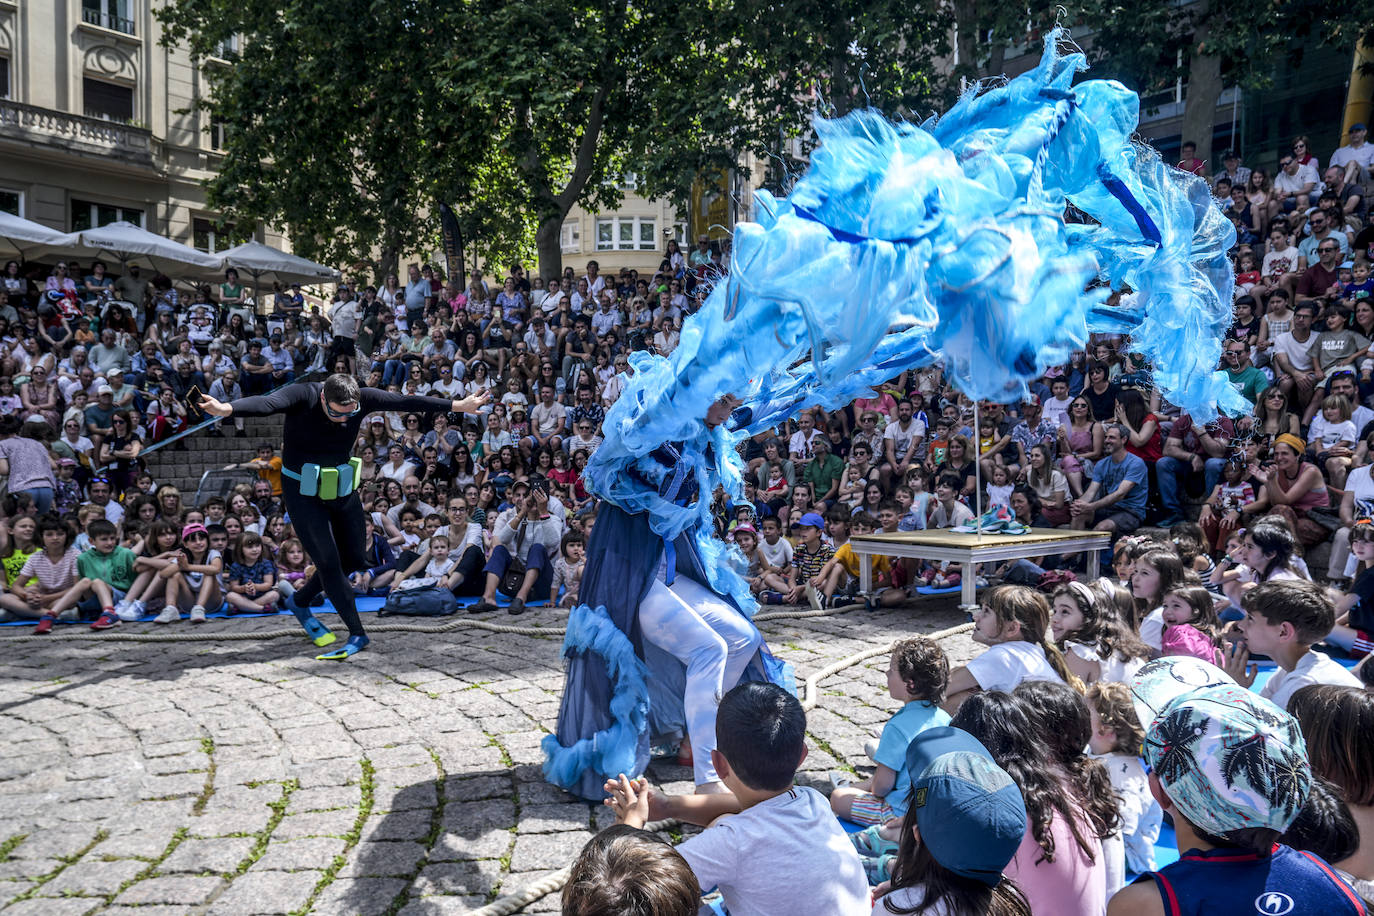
966, 819
1231, 769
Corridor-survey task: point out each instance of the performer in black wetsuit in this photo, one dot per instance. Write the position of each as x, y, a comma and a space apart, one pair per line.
322, 420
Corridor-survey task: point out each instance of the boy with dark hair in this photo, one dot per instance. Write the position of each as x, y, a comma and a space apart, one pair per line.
782, 851
624, 871
1231, 769
106, 571
1283, 619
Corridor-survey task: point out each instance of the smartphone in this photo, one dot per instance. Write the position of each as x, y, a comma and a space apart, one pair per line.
194, 396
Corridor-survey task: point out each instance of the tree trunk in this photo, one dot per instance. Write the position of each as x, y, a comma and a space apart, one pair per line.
966, 39
549, 243
1204, 88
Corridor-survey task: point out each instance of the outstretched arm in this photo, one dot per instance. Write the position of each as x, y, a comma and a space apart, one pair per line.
377, 399
260, 405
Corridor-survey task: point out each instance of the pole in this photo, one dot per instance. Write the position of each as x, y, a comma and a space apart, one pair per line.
977, 474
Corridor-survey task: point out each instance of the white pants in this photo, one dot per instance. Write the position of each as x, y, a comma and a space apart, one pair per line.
713, 640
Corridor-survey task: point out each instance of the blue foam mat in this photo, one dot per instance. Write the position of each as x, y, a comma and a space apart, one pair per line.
366, 605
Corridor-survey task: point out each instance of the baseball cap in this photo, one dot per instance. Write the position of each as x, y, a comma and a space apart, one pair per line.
193, 528
811, 520
1228, 758
744, 529
66, 462
1358, 125
104, 389
1230, 154
969, 811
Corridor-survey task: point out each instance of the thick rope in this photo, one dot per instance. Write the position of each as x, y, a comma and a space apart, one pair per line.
515, 903
459, 623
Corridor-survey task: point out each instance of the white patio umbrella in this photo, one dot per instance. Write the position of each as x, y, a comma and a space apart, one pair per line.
266, 264
23, 238
130, 244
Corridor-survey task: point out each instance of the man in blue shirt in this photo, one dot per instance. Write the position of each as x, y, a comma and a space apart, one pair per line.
1115, 500
418, 293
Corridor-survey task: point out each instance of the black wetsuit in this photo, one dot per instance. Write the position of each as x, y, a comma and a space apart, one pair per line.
332, 531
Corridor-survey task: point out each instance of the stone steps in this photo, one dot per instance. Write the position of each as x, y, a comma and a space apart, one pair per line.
184, 468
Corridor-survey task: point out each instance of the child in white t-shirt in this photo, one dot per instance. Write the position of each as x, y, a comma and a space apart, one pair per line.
433, 567
775, 552
1011, 622
780, 850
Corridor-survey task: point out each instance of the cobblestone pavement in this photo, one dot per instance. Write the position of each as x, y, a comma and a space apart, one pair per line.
246, 777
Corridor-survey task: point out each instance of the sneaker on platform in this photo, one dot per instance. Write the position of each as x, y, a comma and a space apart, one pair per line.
197, 614
170, 614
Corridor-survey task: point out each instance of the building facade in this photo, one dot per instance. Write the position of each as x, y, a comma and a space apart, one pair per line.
97, 121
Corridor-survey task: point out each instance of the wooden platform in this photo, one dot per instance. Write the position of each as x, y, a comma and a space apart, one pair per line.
970, 548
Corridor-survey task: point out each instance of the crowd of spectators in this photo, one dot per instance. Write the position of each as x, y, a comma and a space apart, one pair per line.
97, 369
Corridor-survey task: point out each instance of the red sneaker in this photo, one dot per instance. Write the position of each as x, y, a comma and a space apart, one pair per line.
44, 626
105, 621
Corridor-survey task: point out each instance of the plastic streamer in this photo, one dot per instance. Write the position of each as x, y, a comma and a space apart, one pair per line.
903, 245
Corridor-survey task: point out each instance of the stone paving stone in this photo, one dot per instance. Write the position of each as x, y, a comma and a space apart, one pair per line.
93, 877
489, 843
219, 855
554, 818
383, 858
266, 892
462, 878
47, 906
177, 890
361, 895
293, 855
441, 906
316, 823
548, 850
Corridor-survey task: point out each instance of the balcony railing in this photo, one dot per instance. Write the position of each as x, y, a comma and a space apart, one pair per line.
76, 132
107, 21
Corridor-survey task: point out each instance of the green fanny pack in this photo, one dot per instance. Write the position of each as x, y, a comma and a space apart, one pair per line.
327, 483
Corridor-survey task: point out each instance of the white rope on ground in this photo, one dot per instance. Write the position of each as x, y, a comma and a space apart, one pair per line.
460, 623
514, 903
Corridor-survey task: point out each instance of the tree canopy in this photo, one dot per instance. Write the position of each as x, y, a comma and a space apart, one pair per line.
348, 120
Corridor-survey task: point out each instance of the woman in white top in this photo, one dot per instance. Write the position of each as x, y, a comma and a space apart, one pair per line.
396, 467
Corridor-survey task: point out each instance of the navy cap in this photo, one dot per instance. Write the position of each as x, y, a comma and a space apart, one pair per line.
971, 815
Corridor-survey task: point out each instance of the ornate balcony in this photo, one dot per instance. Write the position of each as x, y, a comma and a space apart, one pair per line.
46, 128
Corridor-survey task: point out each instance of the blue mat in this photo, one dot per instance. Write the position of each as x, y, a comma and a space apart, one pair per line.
365, 606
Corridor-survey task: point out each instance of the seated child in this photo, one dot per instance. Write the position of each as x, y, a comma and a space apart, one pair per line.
959, 835
193, 580
1089, 628
1226, 817
106, 571
808, 559
624, 871
249, 579
568, 568
781, 851
46, 575
1116, 740
1283, 619
747, 539
1354, 629
1011, 622
160, 549
917, 674
1190, 622
432, 567
775, 556
840, 574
